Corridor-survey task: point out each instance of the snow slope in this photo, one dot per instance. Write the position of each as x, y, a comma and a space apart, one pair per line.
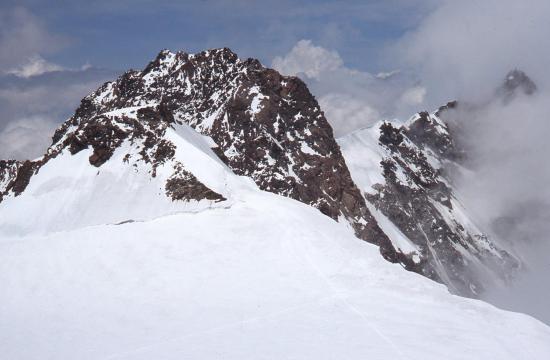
401, 170
267, 278
69, 193
259, 276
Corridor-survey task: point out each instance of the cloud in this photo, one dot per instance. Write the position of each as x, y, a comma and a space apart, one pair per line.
414, 96
351, 99
508, 191
31, 107
308, 59
35, 95
22, 36
26, 138
349, 113
35, 65
386, 75
463, 50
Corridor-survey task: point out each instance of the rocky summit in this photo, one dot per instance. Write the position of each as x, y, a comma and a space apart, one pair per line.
515, 83
269, 128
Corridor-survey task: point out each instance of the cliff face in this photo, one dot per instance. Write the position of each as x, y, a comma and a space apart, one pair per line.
262, 125
416, 197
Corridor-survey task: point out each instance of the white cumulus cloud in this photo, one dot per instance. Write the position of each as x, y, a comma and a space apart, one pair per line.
350, 98
23, 35
35, 65
414, 96
349, 113
308, 59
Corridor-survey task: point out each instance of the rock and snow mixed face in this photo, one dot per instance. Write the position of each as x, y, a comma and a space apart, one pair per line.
401, 170
139, 135
260, 124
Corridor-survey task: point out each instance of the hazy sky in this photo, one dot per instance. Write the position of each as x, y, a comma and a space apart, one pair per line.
363, 59
52, 53
126, 33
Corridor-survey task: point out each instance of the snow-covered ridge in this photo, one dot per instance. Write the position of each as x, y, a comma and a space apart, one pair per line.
267, 278
262, 125
69, 193
154, 126
400, 169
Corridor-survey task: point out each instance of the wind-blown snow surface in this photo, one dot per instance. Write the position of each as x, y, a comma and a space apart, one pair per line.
268, 278
257, 276
69, 193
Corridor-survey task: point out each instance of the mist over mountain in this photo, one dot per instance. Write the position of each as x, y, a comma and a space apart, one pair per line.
505, 138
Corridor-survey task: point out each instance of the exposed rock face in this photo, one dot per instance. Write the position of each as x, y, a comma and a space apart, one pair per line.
415, 195
270, 128
435, 135
263, 125
185, 186
8, 172
15, 176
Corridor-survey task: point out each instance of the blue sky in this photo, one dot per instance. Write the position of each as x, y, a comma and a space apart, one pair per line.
123, 34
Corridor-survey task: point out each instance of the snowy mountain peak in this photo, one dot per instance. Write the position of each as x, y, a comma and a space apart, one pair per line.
192, 132
402, 171
257, 122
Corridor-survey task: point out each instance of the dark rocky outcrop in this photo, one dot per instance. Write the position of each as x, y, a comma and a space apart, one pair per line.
438, 137
8, 173
418, 199
15, 176
516, 82
265, 126
185, 186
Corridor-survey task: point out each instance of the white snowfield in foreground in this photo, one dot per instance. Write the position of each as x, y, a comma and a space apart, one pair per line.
268, 278
256, 277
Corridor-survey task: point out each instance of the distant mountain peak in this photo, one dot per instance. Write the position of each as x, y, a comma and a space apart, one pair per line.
516, 82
